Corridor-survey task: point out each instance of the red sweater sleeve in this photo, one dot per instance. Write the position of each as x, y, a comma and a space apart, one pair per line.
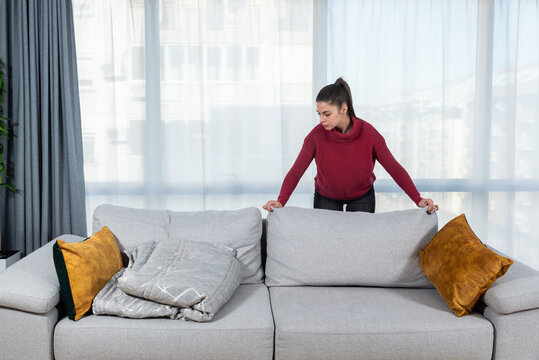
397, 172
297, 170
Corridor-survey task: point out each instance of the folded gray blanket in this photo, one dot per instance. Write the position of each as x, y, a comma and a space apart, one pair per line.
178, 279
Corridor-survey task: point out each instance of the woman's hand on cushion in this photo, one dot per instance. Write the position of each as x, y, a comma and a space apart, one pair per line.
272, 204
428, 202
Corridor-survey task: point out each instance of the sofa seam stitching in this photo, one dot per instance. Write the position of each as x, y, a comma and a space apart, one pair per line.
384, 333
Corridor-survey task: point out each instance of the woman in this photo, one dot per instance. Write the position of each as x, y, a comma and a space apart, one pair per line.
344, 148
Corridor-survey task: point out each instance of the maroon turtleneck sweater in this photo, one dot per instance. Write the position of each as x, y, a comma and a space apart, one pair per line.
345, 163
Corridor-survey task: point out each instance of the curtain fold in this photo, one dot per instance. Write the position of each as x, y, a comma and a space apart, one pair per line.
46, 145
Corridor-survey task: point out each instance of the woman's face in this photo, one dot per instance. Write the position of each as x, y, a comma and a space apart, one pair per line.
332, 116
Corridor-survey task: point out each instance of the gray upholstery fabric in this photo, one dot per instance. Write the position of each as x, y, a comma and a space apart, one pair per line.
238, 229
31, 284
323, 247
516, 335
242, 329
517, 290
373, 323
196, 277
26, 336
131, 227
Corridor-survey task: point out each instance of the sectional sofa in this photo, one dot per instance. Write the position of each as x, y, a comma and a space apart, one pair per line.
317, 284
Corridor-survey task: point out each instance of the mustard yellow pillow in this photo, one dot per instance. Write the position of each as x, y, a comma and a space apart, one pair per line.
460, 266
83, 269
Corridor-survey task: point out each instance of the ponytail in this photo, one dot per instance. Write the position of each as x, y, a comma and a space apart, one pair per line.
337, 94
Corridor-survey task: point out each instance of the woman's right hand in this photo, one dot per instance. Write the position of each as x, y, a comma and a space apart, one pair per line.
272, 204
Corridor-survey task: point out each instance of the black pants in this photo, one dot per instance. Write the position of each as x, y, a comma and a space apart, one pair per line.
364, 203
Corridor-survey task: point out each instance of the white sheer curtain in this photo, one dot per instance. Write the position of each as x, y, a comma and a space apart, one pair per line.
191, 105
411, 66
514, 136
454, 88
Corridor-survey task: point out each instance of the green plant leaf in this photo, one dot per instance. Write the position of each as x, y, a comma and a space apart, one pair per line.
4, 130
10, 187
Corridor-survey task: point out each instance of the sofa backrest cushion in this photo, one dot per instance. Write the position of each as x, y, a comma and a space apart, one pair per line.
237, 229
324, 247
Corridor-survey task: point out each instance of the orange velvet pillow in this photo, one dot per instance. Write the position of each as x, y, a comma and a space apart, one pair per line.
83, 269
460, 266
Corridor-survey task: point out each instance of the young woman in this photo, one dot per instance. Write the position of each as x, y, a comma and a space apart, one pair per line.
344, 148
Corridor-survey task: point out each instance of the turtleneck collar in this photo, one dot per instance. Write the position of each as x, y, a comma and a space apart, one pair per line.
352, 135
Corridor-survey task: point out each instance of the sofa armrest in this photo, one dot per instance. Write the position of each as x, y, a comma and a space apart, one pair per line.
517, 290
25, 335
515, 335
31, 284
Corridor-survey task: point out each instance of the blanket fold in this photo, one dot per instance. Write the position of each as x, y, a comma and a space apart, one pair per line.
185, 280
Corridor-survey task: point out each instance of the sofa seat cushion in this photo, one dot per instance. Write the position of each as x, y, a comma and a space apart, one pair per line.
373, 323
242, 329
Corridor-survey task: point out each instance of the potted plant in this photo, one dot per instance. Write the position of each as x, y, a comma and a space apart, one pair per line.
4, 131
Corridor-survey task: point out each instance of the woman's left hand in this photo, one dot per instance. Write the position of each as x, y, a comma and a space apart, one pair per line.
428, 202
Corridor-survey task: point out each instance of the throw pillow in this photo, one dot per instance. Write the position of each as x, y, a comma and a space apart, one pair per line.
460, 266
83, 268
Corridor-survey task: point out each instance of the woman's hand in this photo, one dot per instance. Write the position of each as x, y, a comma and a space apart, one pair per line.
272, 203
428, 202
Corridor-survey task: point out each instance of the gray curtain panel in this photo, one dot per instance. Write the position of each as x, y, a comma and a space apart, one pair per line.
37, 43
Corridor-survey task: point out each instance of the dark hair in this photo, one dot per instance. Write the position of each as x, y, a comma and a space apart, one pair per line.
338, 94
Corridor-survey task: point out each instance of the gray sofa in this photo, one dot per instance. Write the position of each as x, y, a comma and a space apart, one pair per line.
317, 284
